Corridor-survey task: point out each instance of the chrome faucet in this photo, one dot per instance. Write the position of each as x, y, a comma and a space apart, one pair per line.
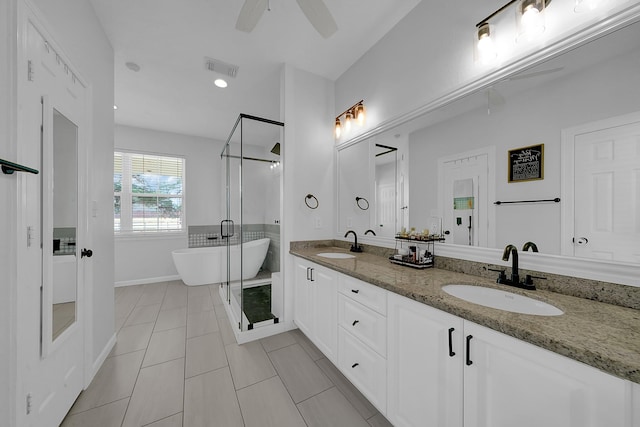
354, 247
530, 245
370, 231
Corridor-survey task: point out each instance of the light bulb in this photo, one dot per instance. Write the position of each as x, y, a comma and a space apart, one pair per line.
531, 20
347, 122
338, 128
486, 47
221, 83
360, 114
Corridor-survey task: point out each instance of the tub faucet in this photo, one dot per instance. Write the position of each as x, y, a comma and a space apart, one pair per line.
354, 247
370, 231
530, 245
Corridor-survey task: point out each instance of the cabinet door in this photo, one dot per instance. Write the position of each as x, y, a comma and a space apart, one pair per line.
325, 311
302, 314
425, 379
513, 383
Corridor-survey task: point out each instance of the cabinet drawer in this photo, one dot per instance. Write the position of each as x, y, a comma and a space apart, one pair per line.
370, 327
368, 295
365, 368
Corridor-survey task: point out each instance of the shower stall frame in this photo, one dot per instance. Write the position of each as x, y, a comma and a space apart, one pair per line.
235, 309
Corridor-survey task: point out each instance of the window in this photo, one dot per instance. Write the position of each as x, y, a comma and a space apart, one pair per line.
148, 193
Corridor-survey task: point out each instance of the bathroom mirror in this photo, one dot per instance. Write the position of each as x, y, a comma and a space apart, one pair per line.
65, 222
542, 104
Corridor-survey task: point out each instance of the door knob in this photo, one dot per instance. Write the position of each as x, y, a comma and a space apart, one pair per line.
86, 253
582, 241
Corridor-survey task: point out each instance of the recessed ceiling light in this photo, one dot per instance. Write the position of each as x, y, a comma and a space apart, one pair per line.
115, 107
133, 66
220, 83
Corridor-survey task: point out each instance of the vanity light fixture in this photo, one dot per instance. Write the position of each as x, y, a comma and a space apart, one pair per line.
529, 22
355, 112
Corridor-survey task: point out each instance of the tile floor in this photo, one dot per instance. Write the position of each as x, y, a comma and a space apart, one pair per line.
176, 363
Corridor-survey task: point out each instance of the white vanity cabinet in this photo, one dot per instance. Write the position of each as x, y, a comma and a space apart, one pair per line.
445, 371
316, 306
425, 370
362, 338
510, 382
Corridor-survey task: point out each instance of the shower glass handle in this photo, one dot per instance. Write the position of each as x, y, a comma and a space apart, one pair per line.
225, 226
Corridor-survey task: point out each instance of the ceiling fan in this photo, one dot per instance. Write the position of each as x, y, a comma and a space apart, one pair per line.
316, 12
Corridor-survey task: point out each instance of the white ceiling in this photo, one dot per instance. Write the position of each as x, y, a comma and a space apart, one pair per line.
169, 39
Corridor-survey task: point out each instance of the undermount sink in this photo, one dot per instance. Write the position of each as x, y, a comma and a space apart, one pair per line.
502, 300
336, 255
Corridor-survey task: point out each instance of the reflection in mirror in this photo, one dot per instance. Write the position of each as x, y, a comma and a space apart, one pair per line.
65, 220
386, 164
589, 84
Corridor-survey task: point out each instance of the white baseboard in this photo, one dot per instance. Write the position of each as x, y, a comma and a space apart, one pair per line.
97, 364
146, 280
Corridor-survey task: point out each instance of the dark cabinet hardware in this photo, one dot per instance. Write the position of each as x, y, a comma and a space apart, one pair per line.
86, 253
312, 279
354, 365
355, 291
451, 352
555, 200
469, 362
308, 270
354, 322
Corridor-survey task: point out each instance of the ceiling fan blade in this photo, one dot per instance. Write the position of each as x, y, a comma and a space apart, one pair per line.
250, 14
320, 17
535, 74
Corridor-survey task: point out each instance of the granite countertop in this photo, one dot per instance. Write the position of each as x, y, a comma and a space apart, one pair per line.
604, 336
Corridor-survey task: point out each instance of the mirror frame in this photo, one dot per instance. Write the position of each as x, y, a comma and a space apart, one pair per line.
606, 271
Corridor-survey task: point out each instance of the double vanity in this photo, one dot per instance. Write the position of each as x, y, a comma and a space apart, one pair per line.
441, 348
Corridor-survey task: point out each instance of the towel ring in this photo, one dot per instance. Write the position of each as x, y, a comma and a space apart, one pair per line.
366, 203
306, 201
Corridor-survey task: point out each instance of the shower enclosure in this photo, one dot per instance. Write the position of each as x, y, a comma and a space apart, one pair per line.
253, 205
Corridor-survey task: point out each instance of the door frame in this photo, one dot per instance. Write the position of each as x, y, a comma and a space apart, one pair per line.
567, 178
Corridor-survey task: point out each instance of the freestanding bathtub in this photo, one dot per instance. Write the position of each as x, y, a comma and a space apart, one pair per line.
202, 266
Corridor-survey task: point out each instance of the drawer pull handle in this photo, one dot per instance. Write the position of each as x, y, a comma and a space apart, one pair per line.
354, 322
354, 365
451, 352
469, 362
355, 291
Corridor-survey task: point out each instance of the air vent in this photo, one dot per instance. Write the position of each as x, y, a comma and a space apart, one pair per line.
220, 67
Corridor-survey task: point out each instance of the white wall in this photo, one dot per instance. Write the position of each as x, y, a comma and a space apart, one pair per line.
147, 259
535, 116
308, 156
8, 194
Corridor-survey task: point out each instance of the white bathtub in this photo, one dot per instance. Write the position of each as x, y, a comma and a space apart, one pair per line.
202, 266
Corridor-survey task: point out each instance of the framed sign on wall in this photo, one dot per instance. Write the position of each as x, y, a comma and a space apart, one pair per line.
526, 163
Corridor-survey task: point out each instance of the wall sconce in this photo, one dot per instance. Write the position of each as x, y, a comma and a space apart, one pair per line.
355, 112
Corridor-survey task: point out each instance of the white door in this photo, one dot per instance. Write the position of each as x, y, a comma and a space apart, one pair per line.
607, 193
466, 226
54, 220
424, 362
